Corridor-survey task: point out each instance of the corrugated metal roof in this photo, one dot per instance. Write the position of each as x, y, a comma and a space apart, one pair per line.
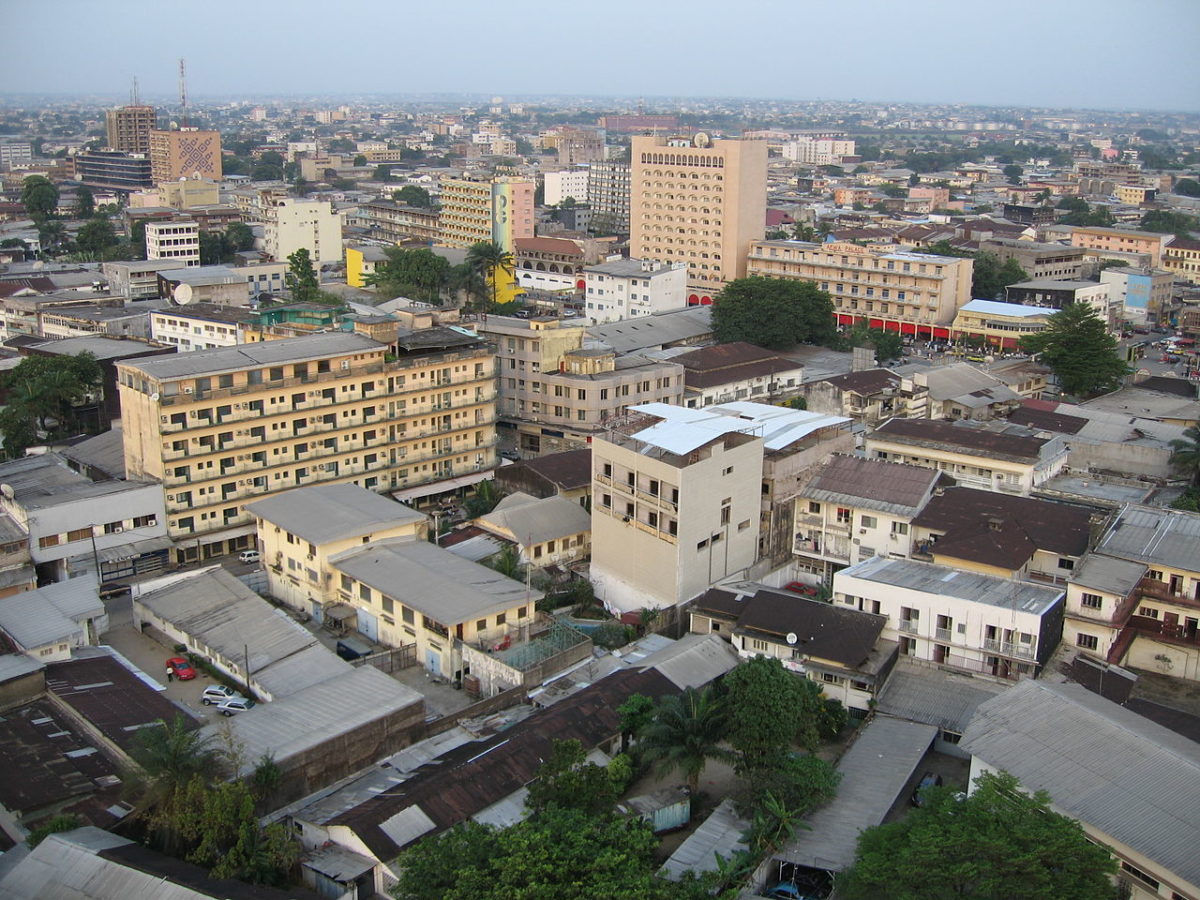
683, 430
331, 512
874, 771
256, 355
1105, 573
935, 697
51, 614
876, 484
942, 581
718, 835
1119, 773
693, 661
530, 521
657, 330
1169, 537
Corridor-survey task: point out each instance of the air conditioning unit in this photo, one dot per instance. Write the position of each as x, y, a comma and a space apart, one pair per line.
118, 529
862, 531
170, 496
187, 390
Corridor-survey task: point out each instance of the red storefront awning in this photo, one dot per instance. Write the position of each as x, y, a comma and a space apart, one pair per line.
908, 328
891, 326
844, 319
941, 332
876, 323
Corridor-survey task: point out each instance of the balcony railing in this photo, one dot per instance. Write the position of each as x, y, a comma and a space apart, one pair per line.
909, 626
1160, 590
943, 634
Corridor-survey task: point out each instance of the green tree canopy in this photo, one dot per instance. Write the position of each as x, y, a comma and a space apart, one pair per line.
685, 733
43, 393
1076, 345
39, 196
1185, 455
888, 344
489, 258
568, 781
360, 160
997, 844
1164, 221
417, 274
990, 277
214, 249
1187, 187
239, 237
1013, 173
413, 195
96, 236
85, 202
773, 313
301, 276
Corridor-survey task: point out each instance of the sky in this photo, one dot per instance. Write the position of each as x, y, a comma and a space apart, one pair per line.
1108, 54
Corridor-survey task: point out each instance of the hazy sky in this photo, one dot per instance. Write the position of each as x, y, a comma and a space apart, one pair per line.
1093, 53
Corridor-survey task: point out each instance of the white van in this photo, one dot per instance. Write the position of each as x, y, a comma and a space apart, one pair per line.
249, 556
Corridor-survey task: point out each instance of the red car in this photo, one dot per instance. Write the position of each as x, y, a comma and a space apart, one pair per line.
183, 668
799, 587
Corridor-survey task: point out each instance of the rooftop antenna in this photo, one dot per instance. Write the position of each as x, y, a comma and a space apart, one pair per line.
183, 117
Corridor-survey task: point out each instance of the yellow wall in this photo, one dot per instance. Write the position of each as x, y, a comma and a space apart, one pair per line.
354, 267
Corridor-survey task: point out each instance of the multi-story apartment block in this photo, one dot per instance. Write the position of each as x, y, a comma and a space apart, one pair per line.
973, 456
499, 210
177, 240
290, 224
913, 293
625, 288
129, 128
674, 506
1055, 294
113, 170
1002, 325
1121, 240
855, 509
1039, 261
556, 395
958, 620
199, 326
608, 196
184, 154
1139, 296
222, 427
556, 264
701, 202
1182, 258
818, 151
15, 153
190, 192
558, 186
397, 222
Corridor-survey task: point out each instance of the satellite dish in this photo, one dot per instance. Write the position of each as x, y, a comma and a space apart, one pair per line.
791, 637
154, 396
6, 490
701, 139
183, 294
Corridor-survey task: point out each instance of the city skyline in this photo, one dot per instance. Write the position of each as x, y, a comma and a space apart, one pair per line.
1063, 55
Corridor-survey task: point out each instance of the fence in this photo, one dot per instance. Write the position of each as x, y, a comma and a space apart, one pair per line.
389, 661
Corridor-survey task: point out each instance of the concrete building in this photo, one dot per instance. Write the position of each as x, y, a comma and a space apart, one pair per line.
624, 288
1039, 261
1057, 294
1143, 295
49, 622
961, 391
550, 531
961, 620
558, 186
716, 191
185, 153
973, 456
1085, 751
397, 222
608, 196
555, 394
727, 373
112, 170
189, 192
222, 427
216, 285
500, 210
868, 396
855, 509
177, 240
1002, 325
1120, 240
129, 128
1182, 258
818, 151
913, 293
290, 224
199, 326
674, 506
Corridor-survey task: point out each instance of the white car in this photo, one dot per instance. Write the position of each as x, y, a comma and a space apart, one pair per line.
233, 707
249, 556
218, 693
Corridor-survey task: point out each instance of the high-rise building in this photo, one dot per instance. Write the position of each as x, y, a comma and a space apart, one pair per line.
608, 196
290, 224
571, 183
113, 170
698, 201
500, 210
129, 128
184, 154
174, 239
220, 428
913, 293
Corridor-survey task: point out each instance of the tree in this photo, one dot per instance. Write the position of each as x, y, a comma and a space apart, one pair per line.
382, 173
239, 237
685, 733
418, 274
413, 195
39, 196
773, 313
1076, 345
568, 781
888, 344
999, 843
990, 277
41, 389
137, 238
800, 782
96, 236
301, 277
1185, 455
85, 203
636, 713
491, 260
1166, 222
53, 825
360, 161
1187, 187
1013, 173
213, 248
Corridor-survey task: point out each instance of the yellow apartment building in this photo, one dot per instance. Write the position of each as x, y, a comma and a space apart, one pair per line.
698, 201
499, 210
912, 293
223, 427
1122, 240
1002, 325
1182, 258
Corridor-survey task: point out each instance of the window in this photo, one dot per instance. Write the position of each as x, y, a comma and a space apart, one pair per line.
407, 615
1091, 601
79, 534
830, 678
364, 593
843, 516
813, 506
501, 619
50, 540
899, 528
1064, 563
1087, 641
1149, 612
521, 612
868, 521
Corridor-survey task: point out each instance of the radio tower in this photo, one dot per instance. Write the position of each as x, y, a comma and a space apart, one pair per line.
135, 98
183, 116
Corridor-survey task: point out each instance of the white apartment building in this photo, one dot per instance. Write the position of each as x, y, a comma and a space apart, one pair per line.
625, 288
177, 240
675, 505
198, 326
571, 183
812, 151
290, 224
962, 620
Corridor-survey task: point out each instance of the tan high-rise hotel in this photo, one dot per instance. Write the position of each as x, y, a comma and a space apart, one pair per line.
698, 201
129, 128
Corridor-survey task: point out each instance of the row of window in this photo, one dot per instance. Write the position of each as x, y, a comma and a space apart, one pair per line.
86, 534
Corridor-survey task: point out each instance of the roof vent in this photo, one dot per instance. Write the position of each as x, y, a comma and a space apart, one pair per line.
995, 524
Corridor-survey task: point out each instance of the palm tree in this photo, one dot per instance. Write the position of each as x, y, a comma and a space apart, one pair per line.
1185, 455
685, 733
465, 279
490, 259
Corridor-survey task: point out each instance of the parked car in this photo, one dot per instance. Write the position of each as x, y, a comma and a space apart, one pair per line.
928, 780
799, 587
249, 556
216, 694
184, 670
233, 707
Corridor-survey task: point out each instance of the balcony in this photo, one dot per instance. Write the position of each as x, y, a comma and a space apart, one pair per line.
909, 626
943, 634
1154, 589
